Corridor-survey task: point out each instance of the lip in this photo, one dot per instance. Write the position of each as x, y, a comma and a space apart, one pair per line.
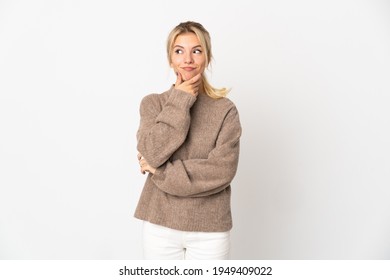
189, 69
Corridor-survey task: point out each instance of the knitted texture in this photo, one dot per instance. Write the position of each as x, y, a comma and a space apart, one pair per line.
194, 144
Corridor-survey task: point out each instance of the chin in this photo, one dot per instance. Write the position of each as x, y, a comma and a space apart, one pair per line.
187, 76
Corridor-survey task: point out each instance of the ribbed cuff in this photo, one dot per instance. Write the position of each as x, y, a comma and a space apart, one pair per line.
181, 98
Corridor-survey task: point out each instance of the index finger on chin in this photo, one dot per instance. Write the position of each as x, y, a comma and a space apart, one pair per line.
196, 78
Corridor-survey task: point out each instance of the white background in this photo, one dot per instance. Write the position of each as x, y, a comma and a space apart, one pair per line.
311, 82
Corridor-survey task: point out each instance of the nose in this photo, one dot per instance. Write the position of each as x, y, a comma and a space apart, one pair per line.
188, 58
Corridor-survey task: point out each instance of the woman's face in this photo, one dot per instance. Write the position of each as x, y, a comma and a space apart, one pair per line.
188, 57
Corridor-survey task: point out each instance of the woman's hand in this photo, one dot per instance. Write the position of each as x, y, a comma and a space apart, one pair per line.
145, 167
190, 86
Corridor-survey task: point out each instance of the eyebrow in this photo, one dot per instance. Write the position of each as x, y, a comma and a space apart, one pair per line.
178, 46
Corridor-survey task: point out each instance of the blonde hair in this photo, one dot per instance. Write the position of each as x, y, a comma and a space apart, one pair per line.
205, 41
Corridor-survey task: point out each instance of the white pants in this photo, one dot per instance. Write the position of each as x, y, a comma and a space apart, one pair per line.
162, 243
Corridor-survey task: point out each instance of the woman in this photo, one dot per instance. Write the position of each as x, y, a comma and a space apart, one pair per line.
188, 142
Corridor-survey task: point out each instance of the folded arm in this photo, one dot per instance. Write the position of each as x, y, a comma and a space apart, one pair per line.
203, 177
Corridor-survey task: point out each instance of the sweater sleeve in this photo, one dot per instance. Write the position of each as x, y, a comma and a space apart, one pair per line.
203, 177
163, 127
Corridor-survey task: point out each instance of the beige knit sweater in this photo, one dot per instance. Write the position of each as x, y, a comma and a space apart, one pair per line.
194, 144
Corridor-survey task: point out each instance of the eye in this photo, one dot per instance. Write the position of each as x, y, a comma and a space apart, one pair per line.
198, 51
179, 51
